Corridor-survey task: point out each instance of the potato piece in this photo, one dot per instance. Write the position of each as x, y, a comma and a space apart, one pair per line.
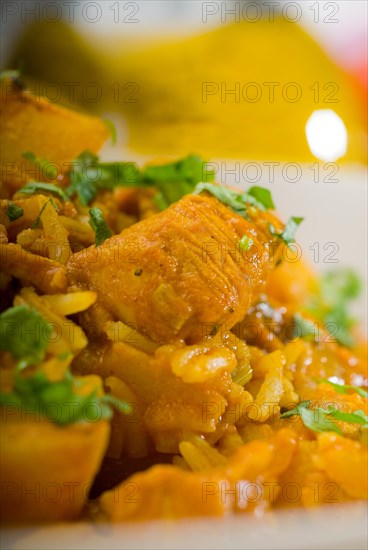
56, 236
48, 276
31, 124
46, 470
68, 333
68, 304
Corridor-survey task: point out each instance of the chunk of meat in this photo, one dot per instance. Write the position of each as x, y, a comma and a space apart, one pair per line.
45, 274
180, 275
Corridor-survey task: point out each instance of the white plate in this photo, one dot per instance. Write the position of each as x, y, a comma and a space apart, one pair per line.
337, 527
334, 213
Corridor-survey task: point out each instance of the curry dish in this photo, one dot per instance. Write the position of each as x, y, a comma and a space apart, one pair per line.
165, 351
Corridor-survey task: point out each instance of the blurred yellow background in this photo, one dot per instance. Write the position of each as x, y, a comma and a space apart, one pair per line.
240, 89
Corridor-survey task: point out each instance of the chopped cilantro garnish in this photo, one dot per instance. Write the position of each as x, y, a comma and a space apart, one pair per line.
117, 174
304, 328
176, 179
87, 176
82, 180
322, 420
10, 73
39, 187
15, 77
188, 170
256, 196
47, 168
313, 418
288, 234
13, 211
99, 225
245, 243
345, 388
230, 198
262, 195
60, 401
340, 285
172, 180
112, 129
356, 417
25, 334
330, 304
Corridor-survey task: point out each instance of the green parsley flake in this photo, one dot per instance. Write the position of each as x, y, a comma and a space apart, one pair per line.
48, 169
45, 188
13, 211
245, 243
345, 388
60, 402
112, 130
323, 420
258, 197
25, 334
99, 226
262, 195
287, 236
330, 304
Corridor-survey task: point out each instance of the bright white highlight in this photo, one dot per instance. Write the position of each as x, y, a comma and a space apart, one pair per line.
326, 135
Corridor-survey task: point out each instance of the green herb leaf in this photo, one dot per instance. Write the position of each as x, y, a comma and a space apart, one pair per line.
172, 180
357, 417
13, 211
11, 73
288, 234
25, 334
190, 169
59, 401
321, 420
15, 77
48, 169
262, 195
345, 388
304, 328
176, 179
296, 410
314, 419
44, 188
112, 130
81, 176
99, 225
258, 197
230, 198
245, 243
117, 174
88, 176
340, 286
331, 303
